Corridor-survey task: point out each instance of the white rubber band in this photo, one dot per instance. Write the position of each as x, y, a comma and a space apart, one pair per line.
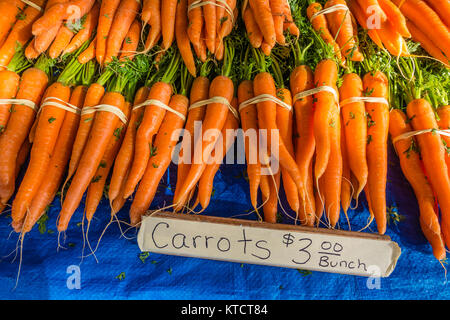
160, 104
22, 102
411, 134
33, 5
313, 91
337, 7
224, 4
364, 99
217, 99
108, 108
59, 103
262, 98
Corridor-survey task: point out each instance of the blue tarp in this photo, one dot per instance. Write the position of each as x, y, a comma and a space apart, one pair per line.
121, 273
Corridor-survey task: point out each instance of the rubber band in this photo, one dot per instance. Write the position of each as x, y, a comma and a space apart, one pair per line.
23, 102
262, 98
59, 103
160, 104
313, 91
364, 99
108, 108
337, 7
32, 4
224, 4
217, 99
411, 134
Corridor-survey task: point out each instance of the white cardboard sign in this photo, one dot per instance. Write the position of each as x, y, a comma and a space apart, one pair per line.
280, 245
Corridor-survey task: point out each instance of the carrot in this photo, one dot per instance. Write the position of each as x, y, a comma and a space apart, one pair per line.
146, 12
346, 184
426, 43
199, 92
9, 83
284, 120
340, 24
86, 32
125, 155
428, 21
320, 25
131, 41
101, 132
93, 97
254, 34
372, 7
325, 75
181, 25
105, 19
215, 117
249, 123
226, 22
10, 10
20, 33
261, 10
43, 41
263, 83
96, 188
392, 40
168, 12
195, 26
88, 54
49, 123
444, 124
302, 79
288, 23
411, 165
308, 207
277, 9
32, 86
355, 127
124, 17
433, 156
362, 19
165, 141
375, 84
153, 116
58, 163
209, 14
155, 25
270, 207
442, 8
62, 40
61, 10
30, 52
394, 15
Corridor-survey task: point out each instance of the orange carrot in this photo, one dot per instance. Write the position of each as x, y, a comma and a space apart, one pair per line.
394, 15
355, 127
155, 24
195, 25
32, 86
124, 17
375, 84
261, 10
411, 165
102, 130
10, 10
58, 163
168, 12
9, 83
254, 34
88, 54
346, 184
125, 155
442, 8
62, 40
181, 26
43, 41
105, 19
209, 14
49, 123
165, 141
131, 41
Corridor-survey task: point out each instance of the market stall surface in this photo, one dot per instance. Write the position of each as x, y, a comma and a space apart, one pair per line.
120, 271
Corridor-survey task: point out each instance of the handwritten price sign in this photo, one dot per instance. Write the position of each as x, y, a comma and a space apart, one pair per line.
269, 244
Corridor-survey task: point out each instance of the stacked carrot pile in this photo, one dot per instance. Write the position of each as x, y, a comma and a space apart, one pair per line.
95, 95
389, 23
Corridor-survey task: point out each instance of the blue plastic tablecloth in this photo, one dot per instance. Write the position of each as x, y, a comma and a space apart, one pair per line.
120, 273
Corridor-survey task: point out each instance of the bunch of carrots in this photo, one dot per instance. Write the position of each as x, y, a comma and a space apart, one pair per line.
266, 23
389, 23
108, 124
337, 26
